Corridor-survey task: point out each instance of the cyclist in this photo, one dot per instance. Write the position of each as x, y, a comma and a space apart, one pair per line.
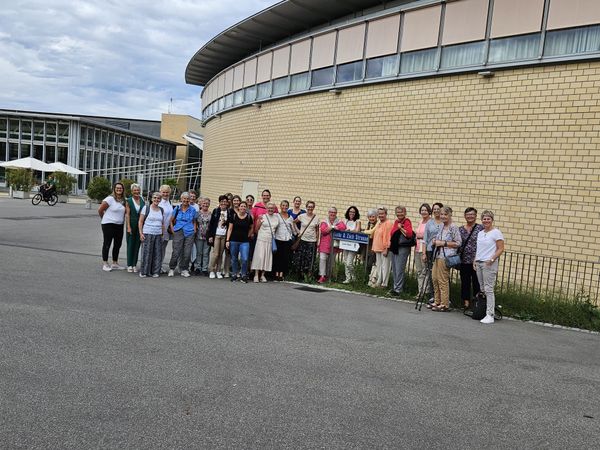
48, 188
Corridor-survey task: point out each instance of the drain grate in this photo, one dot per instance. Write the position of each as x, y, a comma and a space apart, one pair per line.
311, 289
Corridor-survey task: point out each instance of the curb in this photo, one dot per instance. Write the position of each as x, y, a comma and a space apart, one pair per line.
400, 300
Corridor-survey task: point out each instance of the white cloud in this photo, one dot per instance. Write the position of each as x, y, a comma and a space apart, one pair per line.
117, 58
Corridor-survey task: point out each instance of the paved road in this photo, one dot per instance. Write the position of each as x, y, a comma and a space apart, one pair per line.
106, 360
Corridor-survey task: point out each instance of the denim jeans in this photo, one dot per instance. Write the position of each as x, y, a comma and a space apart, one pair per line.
241, 249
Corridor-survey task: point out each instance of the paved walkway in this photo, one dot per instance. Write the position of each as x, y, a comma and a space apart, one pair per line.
108, 360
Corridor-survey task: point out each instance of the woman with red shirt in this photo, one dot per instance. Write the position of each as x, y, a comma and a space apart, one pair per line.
400, 244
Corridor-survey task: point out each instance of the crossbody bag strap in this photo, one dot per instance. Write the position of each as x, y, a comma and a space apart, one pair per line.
302, 234
270, 227
463, 246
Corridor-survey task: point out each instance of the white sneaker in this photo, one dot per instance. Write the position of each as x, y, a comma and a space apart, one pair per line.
155, 275
226, 275
135, 269
487, 319
263, 279
106, 267
171, 273
185, 273
142, 275
129, 269
219, 275
212, 275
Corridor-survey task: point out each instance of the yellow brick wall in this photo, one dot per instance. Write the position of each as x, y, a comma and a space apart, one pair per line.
523, 143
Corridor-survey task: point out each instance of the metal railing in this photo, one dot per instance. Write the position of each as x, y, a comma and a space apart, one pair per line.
539, 275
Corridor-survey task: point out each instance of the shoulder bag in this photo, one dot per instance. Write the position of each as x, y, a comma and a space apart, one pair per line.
452, 261
273, 243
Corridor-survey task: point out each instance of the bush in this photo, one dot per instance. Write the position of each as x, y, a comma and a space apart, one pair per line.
99, 188
127, 182
64, 182
171, 182
20, 179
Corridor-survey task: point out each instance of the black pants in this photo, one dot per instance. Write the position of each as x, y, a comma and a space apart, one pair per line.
468, 281
112, 231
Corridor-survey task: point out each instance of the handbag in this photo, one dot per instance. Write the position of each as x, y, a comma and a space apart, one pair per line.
273, 243
296, 243
452, 261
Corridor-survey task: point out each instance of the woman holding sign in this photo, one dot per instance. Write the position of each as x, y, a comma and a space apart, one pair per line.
349, 253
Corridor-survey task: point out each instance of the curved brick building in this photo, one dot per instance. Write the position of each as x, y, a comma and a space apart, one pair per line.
485, 103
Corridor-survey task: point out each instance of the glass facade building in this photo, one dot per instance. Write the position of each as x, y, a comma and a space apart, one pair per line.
98, 146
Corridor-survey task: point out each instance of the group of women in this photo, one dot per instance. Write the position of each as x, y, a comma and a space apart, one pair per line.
240, 236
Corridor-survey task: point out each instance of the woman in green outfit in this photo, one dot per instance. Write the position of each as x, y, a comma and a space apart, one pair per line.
133, 206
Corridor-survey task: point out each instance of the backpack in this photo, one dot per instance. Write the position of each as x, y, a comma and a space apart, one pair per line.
478, 308
148, 213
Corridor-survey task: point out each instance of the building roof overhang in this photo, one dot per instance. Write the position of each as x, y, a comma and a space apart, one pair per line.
282, 20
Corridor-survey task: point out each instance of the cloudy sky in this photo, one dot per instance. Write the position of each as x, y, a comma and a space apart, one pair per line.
124, 58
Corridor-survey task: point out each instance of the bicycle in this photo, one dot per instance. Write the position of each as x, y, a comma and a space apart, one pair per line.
51, 199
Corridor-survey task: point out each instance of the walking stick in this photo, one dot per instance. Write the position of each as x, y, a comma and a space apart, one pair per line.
422, 294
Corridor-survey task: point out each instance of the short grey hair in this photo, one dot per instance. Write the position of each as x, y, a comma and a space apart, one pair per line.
136, 186
332, 209
488, 213
185, 194
382, 208
371, 212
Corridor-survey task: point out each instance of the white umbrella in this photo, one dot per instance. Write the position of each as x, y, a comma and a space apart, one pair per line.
28, 163
62, 167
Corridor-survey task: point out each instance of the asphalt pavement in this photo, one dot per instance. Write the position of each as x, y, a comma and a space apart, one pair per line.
90, 359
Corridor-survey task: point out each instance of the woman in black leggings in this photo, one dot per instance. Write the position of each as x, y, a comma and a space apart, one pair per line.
112, 213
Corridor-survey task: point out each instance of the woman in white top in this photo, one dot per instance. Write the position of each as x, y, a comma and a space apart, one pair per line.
490, 245
112, 213
352, 225
283, 237
151, 229
304, 256
262, 261
167, 207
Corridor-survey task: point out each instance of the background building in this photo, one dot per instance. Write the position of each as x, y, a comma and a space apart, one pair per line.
492, 104
111, 147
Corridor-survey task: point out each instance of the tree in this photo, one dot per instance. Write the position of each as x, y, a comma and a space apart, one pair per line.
99, 188
64, 182
20, 179
127, 184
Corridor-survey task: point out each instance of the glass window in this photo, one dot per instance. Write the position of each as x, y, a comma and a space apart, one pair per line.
81, 159
13, 151
88, 160
50, 154
385, 66
90, 137
82, 136
229, 101
419, 61
63, 133
349, 72
51, 131
26, 130
572, 41
14, 129
322, 77
25, 150
38, 152
462, 55
238, 97
103, 140
300, 82
3, 155
38, 131
514, 48
249, 95
281, 86
264, 90
97, 138
111, 140
3, 128
62, 155
221, 104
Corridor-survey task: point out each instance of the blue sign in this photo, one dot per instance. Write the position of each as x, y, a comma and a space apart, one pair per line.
360, 238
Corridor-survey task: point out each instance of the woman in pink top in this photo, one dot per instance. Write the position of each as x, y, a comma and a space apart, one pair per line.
420, 265
326, 250
381, 245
